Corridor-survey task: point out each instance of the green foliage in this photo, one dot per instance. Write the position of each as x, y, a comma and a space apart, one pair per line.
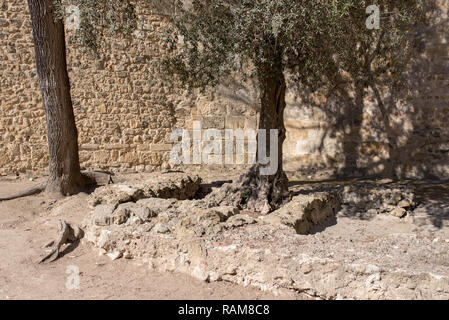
369, 54
100, 19
312, 40
246, 194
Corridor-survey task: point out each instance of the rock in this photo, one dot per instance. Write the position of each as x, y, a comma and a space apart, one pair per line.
210, 215
126, 210
157, 205
201, 221
134, 221
306, 268
178, 186
144, 213
226, 211
215, 276
240, 221
404, 204
127, 255
206, 218
121, 214
102, 215
373, 283
166, 186
115, 195
393, 197
102, 241
305, 211
231, 270
396, 196
115, 255
376, 196
399, 212
371, 268
202, 241
200, 273
161, 228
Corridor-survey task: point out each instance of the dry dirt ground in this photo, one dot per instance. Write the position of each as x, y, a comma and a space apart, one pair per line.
27, 224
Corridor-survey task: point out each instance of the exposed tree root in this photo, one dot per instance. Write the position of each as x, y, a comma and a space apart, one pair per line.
100, 178
28, 192
97, 178
253, 191
66, 234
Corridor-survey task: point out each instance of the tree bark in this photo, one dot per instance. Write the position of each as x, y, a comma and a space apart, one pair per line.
272, 101
49, 44
255, 191
268, 192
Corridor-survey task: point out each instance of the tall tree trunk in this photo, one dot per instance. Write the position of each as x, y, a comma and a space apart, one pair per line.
257, 190
269, 191
49, 43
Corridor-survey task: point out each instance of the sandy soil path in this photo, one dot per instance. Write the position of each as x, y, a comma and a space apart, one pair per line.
26, 224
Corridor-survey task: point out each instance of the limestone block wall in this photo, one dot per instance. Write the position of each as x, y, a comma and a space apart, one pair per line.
125, 116
330, 138
22, 125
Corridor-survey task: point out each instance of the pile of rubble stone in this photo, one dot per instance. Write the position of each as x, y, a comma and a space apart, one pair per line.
372, 198
160, 223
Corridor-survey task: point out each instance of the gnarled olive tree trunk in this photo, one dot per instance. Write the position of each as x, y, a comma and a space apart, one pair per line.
255, 190
270, 189
49, 43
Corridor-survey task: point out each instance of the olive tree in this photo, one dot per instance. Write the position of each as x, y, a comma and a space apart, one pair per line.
311, 42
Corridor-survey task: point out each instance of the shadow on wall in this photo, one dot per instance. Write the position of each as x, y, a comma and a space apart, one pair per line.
363, 126
369, 127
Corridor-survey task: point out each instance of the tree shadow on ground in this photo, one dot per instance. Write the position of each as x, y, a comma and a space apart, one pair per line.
207, 188
69, 248
431, 198
321, 227
434, 204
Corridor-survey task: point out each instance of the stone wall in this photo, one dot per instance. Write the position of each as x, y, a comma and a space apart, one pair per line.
328, 137
125, 117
